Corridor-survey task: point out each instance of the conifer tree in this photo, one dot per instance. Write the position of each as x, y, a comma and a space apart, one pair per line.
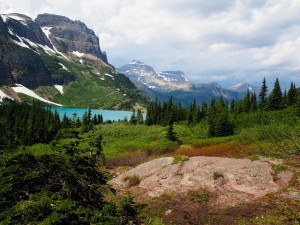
171, 134
292, 94
263, 95
133, 118
284, 99
253, 102
139, 117
232, 106
87, 122
204, 109
275, 98
247, 102
192, 115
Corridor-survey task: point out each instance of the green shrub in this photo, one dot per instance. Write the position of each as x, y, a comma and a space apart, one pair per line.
218, 175
155, 221
180, 159
133, 180
199, 196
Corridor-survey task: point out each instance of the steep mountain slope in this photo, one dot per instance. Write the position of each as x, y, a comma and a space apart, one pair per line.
173, 83
70, 36
60, 60
243, 87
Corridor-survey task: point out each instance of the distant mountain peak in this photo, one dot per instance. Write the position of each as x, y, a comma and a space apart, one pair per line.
244, 87
15, 16
142, 74
134, 62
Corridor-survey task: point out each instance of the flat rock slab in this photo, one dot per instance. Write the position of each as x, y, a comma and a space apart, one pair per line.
255, 178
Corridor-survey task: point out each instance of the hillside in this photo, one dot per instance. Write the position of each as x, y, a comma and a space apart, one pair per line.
60, 60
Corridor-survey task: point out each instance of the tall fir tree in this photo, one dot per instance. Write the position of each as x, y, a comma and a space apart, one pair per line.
253, 102
275, 98
292, 94
263, 95
247, 102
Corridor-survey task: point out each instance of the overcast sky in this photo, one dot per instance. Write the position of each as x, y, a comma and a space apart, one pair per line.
224, 41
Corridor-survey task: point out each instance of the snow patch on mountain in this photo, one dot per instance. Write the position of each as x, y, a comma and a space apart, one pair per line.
79, 54
63, 66
47, 32
24, 90
60, 88
3, 95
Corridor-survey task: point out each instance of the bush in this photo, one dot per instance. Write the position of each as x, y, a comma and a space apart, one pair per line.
218, 175
132, 180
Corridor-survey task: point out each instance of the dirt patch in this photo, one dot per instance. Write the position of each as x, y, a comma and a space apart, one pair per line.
234, 181
234, 150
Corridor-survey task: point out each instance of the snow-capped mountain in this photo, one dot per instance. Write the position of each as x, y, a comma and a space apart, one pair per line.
243, 87
173, 83
46, 59
142, 74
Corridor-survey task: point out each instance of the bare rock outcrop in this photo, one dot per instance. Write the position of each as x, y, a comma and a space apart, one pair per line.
68, 35
239, 177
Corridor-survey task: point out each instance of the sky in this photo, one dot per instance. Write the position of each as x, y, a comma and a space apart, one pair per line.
223, 41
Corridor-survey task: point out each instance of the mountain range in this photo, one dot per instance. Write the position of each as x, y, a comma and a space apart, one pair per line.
59, 61
175, 83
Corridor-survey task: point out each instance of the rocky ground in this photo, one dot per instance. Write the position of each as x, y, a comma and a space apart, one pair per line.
199, 190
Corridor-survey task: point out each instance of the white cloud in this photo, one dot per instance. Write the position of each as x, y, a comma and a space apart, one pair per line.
216, 40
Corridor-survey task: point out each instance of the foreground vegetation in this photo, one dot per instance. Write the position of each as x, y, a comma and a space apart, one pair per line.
53, 171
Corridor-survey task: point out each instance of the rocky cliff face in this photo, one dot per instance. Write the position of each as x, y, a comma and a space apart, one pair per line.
69, 36
19, 64
23, 26
22, 39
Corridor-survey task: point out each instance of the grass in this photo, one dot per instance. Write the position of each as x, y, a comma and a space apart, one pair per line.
180, 159
199, 195
121, 138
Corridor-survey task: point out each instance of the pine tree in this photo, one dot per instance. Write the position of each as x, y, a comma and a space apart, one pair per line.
218, 119
171, 134
139, 117
284, 99
253, 102
275, 98
133, 118
192, 113
292, 94
247, 102
263, 95
232, 106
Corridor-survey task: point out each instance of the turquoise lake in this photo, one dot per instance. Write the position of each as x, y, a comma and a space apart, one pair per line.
113, 115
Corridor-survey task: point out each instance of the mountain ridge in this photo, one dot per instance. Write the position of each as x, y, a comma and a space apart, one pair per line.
173, 83
67, 55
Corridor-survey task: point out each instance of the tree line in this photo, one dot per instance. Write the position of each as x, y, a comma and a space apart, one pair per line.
22, 124
218, 112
